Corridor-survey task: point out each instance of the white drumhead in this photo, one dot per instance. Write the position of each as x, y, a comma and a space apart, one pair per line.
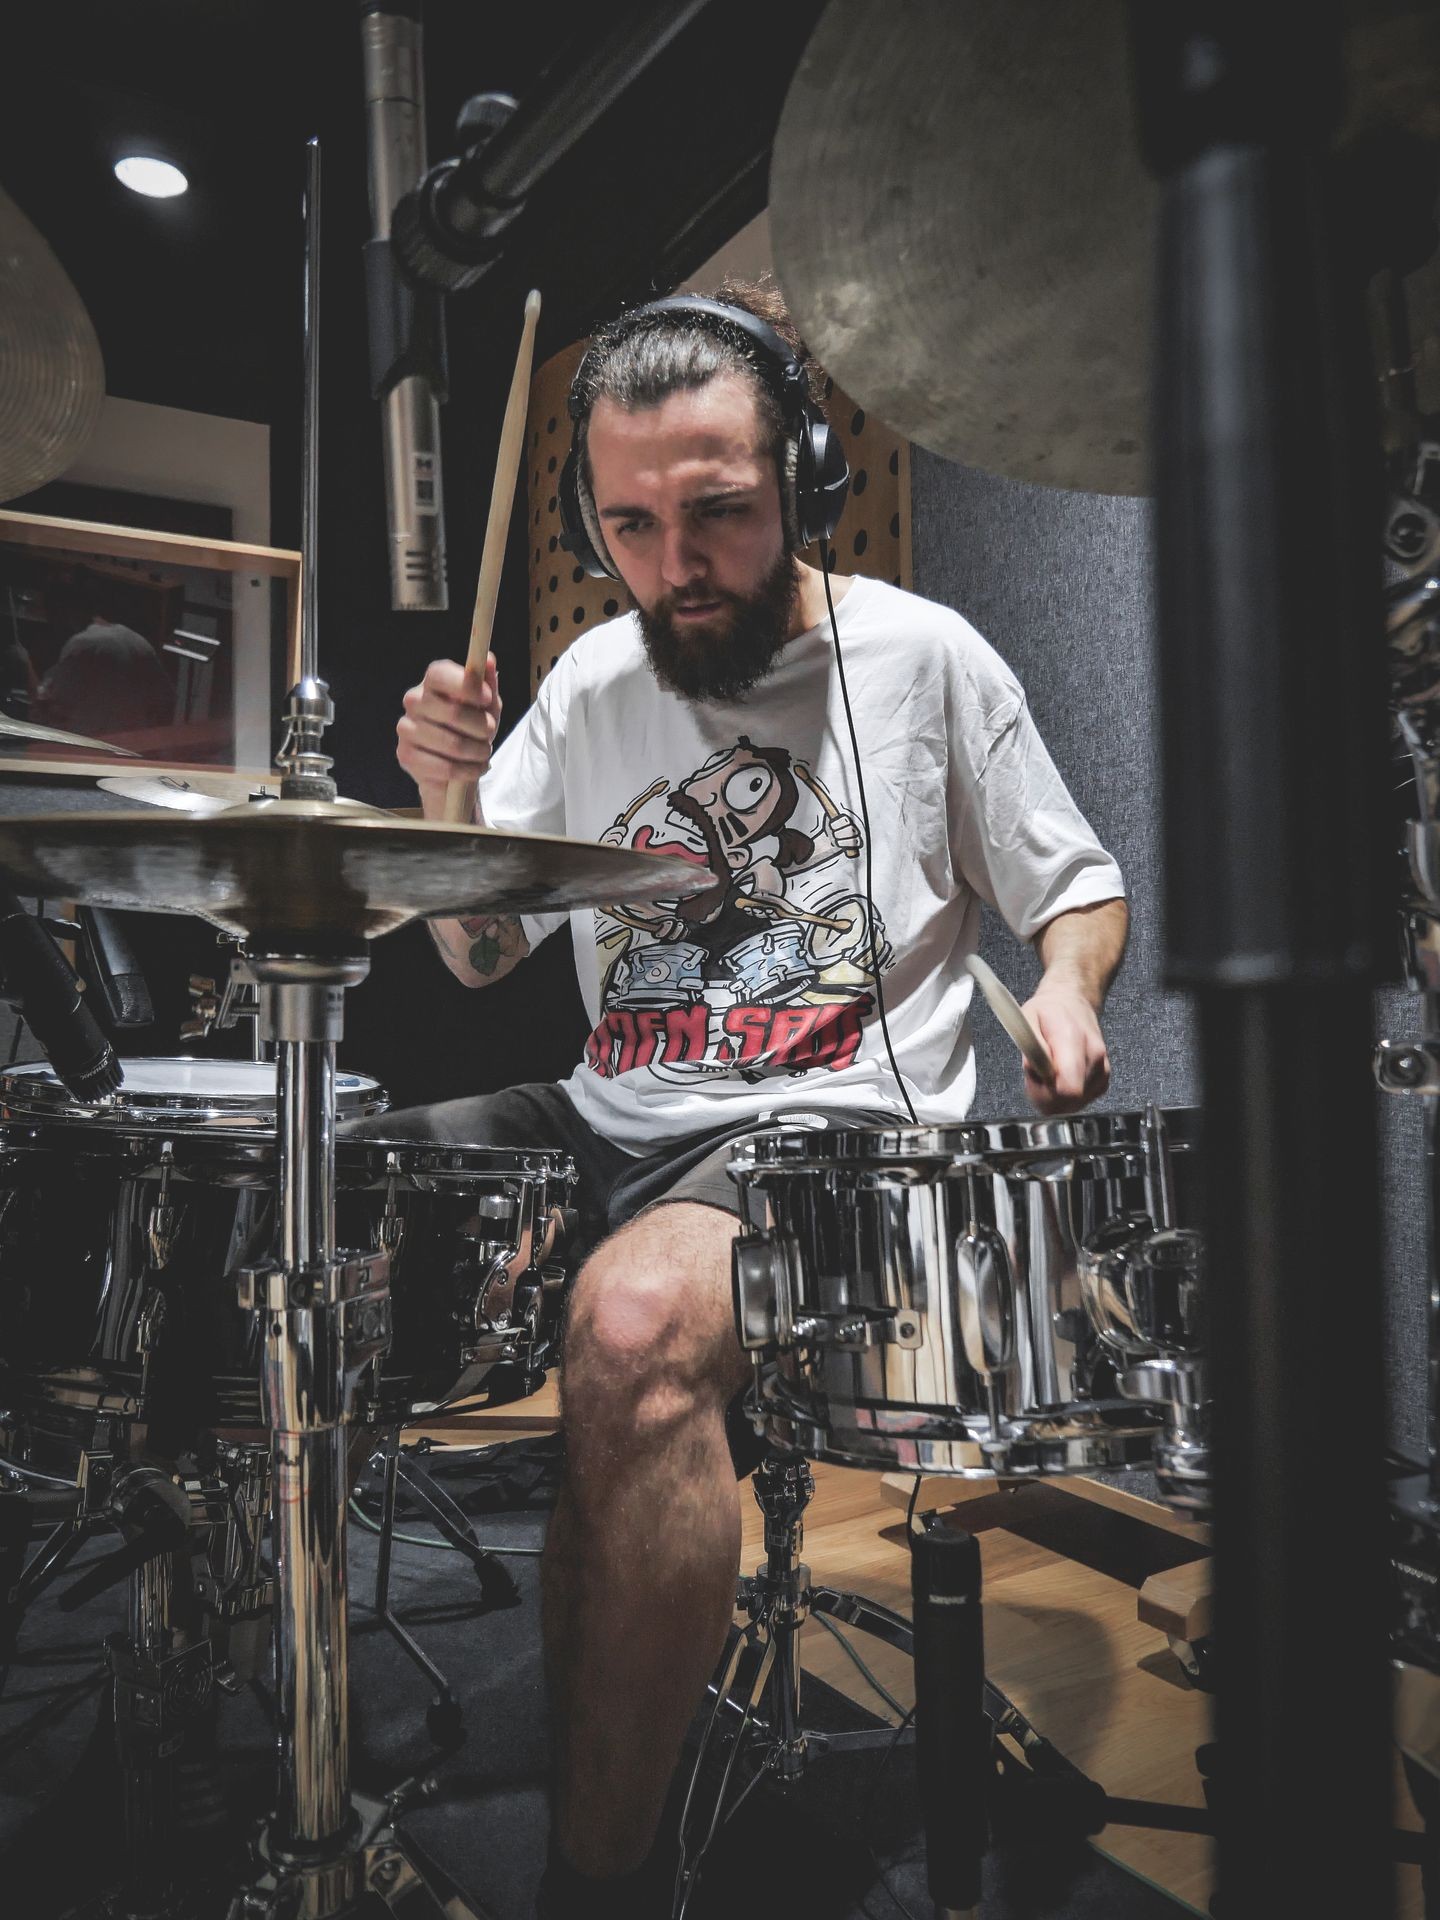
176, 1090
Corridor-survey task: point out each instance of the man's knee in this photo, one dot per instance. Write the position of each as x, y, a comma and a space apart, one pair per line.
650, 1318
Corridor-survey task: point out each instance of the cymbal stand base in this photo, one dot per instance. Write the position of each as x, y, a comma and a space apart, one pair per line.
379, 1871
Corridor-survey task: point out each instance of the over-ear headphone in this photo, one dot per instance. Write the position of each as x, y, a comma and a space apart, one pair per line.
816, 480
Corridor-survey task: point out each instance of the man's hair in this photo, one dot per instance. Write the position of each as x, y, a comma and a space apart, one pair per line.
641, 364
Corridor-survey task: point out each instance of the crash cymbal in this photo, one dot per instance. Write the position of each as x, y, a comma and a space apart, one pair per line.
52, 379
53, 736
964, 229
323, 871
201, 793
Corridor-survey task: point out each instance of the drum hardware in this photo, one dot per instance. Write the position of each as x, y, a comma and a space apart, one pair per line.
967, 1774
160, 1239
765, 1266
444, 1719
1144, 1292
238, 1000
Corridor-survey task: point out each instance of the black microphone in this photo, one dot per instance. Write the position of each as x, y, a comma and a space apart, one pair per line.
407, 324
114, 968
952, 1732
50, 997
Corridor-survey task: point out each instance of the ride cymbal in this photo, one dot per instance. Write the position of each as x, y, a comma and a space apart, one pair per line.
964, 228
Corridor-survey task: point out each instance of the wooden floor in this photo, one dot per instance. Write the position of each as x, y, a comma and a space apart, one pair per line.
1062, 1639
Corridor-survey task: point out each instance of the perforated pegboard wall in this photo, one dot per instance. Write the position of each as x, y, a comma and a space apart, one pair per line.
872, 538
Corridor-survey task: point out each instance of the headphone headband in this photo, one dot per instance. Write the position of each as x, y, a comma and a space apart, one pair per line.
779, 364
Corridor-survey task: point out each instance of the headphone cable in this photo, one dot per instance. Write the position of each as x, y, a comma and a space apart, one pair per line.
826, 554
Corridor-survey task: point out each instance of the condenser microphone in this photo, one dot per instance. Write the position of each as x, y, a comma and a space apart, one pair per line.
407, 324
35, 974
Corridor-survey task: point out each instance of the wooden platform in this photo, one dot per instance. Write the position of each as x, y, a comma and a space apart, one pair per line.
1063, 1566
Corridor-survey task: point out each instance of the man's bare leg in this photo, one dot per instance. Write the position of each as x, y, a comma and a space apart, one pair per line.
639, 1571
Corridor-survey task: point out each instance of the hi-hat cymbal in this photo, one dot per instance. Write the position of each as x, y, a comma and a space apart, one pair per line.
322, 871
52, 378
54, 736
201, 793
964, 228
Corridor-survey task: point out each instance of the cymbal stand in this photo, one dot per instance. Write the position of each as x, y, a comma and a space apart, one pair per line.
325, 1317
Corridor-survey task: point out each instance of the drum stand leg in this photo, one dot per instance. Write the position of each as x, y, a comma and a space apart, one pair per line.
325, 1317
756, 1702
444, 1719
162, 1679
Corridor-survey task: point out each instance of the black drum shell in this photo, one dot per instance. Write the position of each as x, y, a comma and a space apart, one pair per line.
87, 1249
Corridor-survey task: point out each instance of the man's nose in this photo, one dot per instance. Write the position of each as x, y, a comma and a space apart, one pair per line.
682, 559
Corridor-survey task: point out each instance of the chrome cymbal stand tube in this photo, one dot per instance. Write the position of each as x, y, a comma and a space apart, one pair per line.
324, 1316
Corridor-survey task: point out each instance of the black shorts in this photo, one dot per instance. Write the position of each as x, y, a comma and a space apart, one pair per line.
612, 1186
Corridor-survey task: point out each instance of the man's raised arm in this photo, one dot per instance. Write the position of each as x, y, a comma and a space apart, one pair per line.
446, 733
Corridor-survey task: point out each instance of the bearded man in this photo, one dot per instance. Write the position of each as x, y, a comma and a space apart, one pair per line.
692, 480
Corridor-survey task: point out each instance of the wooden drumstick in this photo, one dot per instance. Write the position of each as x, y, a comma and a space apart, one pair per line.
655, 787
831, 811
460, 794
794, 913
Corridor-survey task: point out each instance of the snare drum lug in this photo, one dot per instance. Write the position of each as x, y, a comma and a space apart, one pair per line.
761, 1291
160, 1227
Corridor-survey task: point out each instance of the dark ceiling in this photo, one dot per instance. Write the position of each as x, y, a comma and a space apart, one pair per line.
196, 300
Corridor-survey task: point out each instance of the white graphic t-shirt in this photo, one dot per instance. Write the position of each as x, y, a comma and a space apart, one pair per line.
757, 995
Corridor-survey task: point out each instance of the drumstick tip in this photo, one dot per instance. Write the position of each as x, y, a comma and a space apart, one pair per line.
532, 303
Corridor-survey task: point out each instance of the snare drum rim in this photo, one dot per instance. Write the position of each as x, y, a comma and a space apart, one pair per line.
1075, 1146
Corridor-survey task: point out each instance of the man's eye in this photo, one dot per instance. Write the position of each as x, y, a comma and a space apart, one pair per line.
628, 526
723, 513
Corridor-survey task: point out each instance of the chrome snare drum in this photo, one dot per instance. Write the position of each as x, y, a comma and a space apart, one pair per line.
122, 1228
913, 1297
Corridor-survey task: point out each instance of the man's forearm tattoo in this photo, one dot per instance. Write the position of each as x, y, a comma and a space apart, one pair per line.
493, 940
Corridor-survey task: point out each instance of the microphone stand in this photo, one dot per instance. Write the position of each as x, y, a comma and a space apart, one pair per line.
1268, 500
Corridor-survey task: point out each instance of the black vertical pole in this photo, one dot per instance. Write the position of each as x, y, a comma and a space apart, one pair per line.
1271, 662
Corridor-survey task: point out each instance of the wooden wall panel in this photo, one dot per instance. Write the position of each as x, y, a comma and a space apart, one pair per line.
872, 538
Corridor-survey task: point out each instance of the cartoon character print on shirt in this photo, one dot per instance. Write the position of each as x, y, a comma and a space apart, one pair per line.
770, 969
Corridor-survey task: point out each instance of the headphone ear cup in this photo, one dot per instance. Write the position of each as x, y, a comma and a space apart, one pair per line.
578, 533
822, 481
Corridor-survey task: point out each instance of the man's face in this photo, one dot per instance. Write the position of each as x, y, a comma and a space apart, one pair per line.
689, 503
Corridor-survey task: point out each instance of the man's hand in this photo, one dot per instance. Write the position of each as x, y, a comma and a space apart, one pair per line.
1080, 952
448, 728
1067, 1023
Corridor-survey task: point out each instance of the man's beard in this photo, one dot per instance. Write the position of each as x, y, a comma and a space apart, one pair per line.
722, 661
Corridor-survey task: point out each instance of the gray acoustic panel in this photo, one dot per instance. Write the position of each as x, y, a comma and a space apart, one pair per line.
1060, 584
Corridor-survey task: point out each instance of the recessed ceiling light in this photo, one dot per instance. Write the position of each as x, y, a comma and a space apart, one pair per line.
142, 173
